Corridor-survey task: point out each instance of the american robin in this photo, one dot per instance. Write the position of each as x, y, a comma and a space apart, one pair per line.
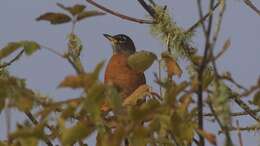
118, 73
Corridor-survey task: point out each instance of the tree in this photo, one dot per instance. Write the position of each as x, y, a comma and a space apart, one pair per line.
168, 117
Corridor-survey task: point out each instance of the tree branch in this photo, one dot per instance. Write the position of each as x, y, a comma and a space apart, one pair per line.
200, 73
235, 114
35, 122
252, 6
252, 128
118, 14
239, 134
13, 60
148, 8
246, 108
203, 18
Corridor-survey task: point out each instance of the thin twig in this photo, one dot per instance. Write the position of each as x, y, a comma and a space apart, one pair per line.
62, 56
215, 115
200, 74
35, 122
219, 24
214, 40
79, 71
249, 91
148, 8
252, 128
202, 19
13, 60
222, 51
119, 14
246, 108
222, 126
230, 79
53, 51
252, 6
239, 134
199, 4
235, 114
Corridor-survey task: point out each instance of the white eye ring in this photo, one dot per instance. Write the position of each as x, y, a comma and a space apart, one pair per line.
123, 38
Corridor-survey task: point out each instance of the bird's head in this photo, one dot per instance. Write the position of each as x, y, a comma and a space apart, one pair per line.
121, 43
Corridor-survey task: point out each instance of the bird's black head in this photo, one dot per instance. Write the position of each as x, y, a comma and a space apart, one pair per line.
121, 43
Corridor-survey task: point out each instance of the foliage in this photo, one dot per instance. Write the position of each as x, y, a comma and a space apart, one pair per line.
175, 38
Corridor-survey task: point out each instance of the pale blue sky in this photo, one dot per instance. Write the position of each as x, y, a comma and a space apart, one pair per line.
44, 70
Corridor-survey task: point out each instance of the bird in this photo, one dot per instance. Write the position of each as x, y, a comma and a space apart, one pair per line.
118, 72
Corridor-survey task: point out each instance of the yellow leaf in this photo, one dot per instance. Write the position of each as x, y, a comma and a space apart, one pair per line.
73, 10
209, 136
8, 49
185, 101
79, 131
87, 14
141, 61
72, 81
136, 95
172, 66
24, 103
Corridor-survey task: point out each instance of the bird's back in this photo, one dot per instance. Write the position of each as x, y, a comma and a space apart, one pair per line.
122, 76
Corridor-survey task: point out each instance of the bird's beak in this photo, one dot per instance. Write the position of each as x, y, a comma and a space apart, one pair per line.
110, 38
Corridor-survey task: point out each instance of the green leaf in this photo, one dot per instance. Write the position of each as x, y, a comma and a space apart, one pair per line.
221, 100
96, 95
73, 10
145, 112
24, 103
28, 141
81, 130
140, 61
9, 49
29, 132
54, 18
29, 47
113, 97
207, 78
140, 136
256, 99
83, 80
87, 14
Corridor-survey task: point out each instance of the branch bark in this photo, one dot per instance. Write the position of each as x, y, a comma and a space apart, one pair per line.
122, 16
252, 6
13, 60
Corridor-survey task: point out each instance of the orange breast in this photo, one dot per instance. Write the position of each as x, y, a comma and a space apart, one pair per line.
122, 76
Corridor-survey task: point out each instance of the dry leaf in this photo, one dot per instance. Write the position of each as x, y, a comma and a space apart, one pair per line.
209, 136
105, 107
136, 95
172, 66
54, 18
227, 44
